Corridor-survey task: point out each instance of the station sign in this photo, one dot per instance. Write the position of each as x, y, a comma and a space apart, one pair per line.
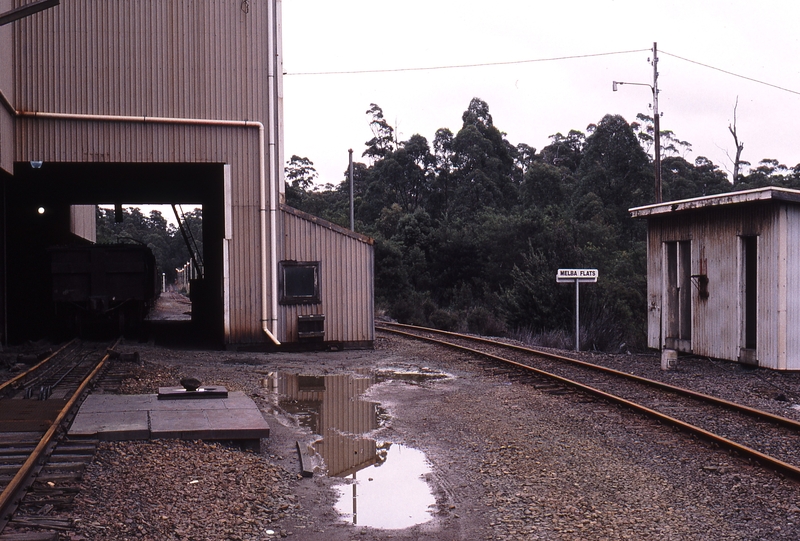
576, 275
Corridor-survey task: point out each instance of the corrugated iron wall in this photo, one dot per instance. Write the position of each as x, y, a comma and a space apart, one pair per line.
183, 58
793, 288
716, 246
7, 91
346, 277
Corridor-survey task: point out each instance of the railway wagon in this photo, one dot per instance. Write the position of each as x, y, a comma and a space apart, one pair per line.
100, 289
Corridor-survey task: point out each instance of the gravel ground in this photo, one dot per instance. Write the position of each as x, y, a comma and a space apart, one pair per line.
508, 461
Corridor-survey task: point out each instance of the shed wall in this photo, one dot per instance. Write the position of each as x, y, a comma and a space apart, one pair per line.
346, 278
792, 288
7, 91
716, 247
210, 59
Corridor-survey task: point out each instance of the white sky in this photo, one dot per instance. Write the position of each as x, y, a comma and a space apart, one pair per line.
324, 115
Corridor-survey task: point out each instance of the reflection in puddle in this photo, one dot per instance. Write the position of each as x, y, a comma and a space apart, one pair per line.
392, 493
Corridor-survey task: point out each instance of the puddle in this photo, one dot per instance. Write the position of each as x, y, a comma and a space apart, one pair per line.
386, 485
392, 494
420, 376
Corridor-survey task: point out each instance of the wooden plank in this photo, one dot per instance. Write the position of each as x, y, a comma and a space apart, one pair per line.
306, 466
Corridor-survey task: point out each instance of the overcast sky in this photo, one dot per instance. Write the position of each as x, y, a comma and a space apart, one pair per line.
324, 115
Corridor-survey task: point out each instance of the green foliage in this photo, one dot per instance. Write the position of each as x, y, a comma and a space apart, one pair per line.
164, 239
470, 231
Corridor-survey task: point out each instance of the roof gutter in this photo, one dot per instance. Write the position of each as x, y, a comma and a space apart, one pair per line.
266, 320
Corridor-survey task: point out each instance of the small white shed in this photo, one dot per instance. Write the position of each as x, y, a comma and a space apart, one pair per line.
723, 276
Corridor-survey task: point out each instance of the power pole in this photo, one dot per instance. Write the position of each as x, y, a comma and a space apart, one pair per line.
656, 119
656, 124
350, 171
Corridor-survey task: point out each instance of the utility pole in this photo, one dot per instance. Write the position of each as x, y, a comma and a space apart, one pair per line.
350, 171
656, 119
656, 124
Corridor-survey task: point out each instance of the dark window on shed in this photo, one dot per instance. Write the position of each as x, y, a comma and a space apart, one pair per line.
299, 282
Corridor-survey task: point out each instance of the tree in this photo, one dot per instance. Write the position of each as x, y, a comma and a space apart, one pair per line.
383, 140
737, 161
300, 172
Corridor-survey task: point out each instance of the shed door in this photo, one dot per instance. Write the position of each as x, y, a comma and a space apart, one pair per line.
677, 296
748, 300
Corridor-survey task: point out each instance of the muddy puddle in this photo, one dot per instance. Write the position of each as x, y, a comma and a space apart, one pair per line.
385, 484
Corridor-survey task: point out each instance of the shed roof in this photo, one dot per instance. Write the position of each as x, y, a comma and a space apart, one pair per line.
769, 193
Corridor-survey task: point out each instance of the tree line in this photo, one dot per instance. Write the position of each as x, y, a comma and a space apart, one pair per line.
152, 230
470, 229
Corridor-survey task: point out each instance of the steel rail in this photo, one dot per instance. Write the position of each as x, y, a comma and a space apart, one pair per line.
9, 495
771, 462
784, 421
44, 361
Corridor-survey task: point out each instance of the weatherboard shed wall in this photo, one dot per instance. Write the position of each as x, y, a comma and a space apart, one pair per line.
346, 278
714, 227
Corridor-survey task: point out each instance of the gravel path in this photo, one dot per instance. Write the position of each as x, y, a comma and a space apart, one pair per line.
508, 461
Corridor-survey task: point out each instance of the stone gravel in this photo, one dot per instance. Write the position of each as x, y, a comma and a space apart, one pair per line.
509, 460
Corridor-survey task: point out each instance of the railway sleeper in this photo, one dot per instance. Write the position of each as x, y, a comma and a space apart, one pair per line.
30, 536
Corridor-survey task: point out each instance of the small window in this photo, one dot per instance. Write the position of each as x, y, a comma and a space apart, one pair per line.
299, 282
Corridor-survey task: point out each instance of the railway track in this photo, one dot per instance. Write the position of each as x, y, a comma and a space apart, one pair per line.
766, 438
37, 464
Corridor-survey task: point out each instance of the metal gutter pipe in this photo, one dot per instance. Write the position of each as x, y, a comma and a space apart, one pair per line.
273, 206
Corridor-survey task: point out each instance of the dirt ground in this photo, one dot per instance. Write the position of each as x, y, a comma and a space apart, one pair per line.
506, 460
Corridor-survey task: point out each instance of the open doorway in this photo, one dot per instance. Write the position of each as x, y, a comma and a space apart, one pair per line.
678, 299
174, 233
748, 299
40, 207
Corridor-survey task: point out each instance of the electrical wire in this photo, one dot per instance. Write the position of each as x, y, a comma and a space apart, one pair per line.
530, 61
730, 73
461, 66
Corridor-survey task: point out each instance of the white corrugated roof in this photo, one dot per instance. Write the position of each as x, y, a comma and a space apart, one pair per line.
769, 193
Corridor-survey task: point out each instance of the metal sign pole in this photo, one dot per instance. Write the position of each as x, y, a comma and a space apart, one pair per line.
577, 276
577, 316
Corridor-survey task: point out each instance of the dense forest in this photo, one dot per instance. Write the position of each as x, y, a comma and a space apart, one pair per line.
470, 230
163, 238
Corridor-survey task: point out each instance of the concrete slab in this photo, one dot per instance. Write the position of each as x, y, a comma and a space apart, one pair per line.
111, 425
117, 417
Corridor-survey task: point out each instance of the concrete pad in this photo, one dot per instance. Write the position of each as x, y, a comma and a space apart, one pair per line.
117, 417
111, 426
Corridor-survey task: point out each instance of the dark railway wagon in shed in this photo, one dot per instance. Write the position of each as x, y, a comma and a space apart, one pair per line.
100, 288
723, 276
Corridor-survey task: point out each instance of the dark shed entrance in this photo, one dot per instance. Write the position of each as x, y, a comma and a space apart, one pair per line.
37, 214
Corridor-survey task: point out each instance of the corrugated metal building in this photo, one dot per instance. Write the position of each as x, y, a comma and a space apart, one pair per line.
723, 276
154, 102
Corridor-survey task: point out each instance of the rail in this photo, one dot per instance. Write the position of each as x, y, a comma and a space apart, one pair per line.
765, 459
12, 492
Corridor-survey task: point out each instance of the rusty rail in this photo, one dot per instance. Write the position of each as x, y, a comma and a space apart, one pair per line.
762, 458
12, 492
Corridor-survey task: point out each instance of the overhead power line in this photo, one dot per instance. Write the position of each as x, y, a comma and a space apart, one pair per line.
460, 66
731, 73
530, 61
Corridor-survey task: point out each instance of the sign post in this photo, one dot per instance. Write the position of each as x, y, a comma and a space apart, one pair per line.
577, 276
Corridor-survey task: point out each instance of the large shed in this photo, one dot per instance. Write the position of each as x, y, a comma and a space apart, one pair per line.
147, 102
723, 276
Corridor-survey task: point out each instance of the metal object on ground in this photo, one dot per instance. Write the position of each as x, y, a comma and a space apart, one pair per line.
176, 393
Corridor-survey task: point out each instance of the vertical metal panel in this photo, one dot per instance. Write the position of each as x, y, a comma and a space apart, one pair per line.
716, 251
7, 90
182, 58
792, 242
83, 222
346, 278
